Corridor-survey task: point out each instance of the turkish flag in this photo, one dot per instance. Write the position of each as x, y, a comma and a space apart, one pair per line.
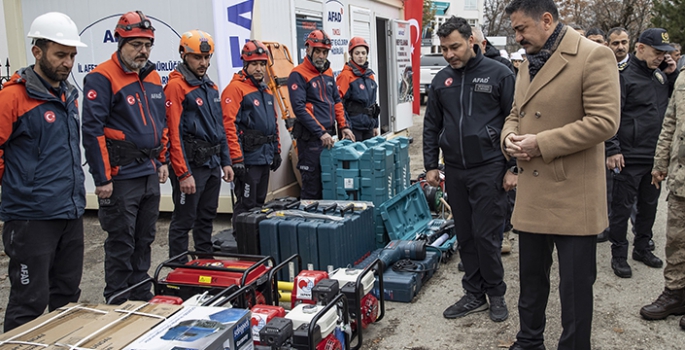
413, 12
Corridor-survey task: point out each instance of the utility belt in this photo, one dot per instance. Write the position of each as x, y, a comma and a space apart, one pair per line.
198, 152
300, 132
253, 139
355, 108
123, 152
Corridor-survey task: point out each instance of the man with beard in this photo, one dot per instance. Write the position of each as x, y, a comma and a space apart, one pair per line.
197, 145
43, 197
125, 138
317, 107
251, 123
645, 90
619, 43
467, 103
559, 148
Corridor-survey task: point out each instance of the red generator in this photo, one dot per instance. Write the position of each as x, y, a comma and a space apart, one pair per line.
213, 273
303, 284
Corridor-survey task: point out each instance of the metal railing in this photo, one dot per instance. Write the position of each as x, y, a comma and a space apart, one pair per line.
7, 76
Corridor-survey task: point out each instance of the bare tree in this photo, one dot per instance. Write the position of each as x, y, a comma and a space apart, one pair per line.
634, 15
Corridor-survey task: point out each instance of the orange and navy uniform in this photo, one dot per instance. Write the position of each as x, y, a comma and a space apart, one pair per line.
315, 99
121, 104
40, 157
193, 110
249, 105
357, 87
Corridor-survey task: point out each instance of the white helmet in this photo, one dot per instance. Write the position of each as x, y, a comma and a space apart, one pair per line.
503, 53
521, 51
57, 27
515, 56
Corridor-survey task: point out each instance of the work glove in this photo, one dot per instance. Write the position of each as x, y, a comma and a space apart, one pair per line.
277, 162
239, 170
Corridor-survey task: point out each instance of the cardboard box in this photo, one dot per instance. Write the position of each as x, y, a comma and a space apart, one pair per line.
88, 326
200, 328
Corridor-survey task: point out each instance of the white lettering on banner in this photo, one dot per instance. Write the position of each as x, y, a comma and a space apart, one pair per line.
232, 28
337, 27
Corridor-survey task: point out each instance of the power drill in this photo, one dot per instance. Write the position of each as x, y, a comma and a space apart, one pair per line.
396, 250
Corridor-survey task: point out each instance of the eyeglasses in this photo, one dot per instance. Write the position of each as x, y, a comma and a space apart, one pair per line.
137, 45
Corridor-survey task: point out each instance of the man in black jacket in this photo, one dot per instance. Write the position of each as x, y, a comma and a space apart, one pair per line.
467, 104
645, 90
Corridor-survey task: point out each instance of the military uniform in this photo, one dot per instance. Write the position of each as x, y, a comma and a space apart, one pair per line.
670, 158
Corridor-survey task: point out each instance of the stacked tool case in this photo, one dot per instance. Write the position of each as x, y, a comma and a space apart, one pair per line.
326, 234
374, 170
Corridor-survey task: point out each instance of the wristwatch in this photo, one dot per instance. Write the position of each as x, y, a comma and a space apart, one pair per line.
514, 170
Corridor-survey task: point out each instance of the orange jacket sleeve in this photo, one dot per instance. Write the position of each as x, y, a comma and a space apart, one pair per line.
175, 95
231, 98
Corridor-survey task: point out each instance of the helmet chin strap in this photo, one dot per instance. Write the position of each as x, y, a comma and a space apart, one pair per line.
257, 83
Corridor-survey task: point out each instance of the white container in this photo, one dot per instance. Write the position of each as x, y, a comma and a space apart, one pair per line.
344, 275
304, 313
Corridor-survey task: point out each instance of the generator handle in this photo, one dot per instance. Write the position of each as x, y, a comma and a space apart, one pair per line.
339, 299
266, 261
272, 278
375, 267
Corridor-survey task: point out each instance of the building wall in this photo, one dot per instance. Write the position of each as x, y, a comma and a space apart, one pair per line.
471, 10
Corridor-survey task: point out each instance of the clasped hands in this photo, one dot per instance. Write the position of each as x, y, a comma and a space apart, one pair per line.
522, 147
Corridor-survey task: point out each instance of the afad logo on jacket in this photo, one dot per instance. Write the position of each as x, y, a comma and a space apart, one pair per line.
199, 102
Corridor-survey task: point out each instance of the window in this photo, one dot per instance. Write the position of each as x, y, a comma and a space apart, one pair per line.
470, 5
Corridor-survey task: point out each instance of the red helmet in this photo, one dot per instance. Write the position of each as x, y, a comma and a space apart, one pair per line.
254, 51
318, 38
134, 25
356, 42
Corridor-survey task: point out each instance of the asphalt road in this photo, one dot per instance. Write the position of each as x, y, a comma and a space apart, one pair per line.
420, 326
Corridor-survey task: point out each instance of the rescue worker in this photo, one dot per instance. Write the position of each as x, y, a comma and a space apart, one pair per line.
125, 138
357, 86
43, 196
645, 90
669, 161
317, 107
251, 122
197, 145
476, 175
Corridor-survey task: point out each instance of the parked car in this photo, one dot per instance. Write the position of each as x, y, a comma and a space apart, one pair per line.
431, 64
